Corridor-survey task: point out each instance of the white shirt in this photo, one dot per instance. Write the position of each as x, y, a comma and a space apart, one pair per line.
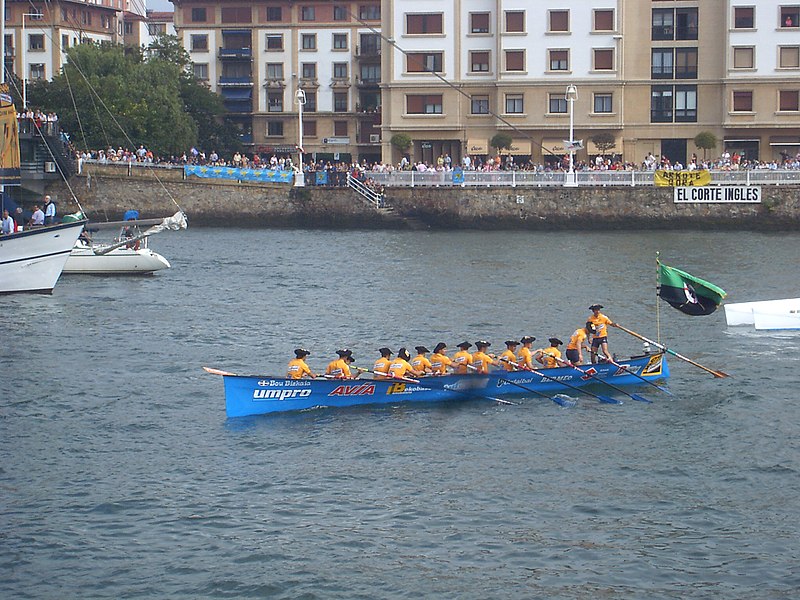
8, 225
50, 210
37, 218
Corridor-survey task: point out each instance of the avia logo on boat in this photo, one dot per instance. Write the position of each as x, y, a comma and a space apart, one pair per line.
364, 389
279, 394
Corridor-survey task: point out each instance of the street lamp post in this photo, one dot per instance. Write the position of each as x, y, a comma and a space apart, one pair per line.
300, 178
571, 96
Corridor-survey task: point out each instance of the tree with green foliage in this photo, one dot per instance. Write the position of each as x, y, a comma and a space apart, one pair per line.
604, 141
501, 141
705, 140
401, 141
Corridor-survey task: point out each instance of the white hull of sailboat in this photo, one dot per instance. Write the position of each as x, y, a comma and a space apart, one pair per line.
32, 260
120, 261
744, 313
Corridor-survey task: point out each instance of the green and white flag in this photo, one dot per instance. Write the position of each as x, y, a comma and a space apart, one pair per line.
689, 294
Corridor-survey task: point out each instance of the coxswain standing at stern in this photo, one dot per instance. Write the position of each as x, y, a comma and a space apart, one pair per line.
381, 366
400, 365
462, 359
525, 356
480, 360
439, 359
508, 357
297, 366
600, 339
340, 368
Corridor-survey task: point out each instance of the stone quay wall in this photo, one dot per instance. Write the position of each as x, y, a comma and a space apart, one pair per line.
107, 192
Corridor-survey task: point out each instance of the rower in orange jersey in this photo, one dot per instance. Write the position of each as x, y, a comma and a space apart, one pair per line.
297, 366
579, 341
382, 364
549, 356
400, 366
340, 368
480, 360
525, 355
462, 359
600, 338
420, 362
439, 359
508, 356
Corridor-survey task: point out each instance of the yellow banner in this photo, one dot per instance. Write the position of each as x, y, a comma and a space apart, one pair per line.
9, 140
682, 178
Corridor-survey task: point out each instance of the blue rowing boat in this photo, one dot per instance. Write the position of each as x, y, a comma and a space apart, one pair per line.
258, 394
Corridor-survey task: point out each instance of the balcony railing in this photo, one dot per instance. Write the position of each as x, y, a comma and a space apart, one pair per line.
236, 53
236, 81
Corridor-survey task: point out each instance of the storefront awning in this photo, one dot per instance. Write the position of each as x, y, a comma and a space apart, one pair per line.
522, 147
553, 146
477, 147
784, 141
236, 32
593, 149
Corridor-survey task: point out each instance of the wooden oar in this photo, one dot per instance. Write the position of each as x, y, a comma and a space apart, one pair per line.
218, 372
636, 397
675, 354
629, 372
601, 398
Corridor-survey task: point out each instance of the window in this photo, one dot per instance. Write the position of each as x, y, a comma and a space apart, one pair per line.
340, 128
743, 58
603, 103
789, 101
479, 62
274, 41
685, 23
685, 63
308, 70
340, 70
236, 14
789, 57
479, 105
424, 62
35, 41
198, 15
309, 41
340, 13
275, 71
663, 24
307, 13
424, 104
340, 101
661, 104
424, 24
743, 101
64, 43
559, 60
557, 104
369, 12
479, 22
515, 104
311, 101
743, 17
603, 59
515, 60
370, 45
198, 42
37, 71
200, 71
340, 41
275, 128
685, 104
559, 20
515, 21
674, 24
661, 65
309, 128
275, 102
370, 73
790, 16
274, 13
603, 20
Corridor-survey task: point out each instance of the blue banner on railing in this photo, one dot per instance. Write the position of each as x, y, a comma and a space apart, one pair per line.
262, 175
322, 178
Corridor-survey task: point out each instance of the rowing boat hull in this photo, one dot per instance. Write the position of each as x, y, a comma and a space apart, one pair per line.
253, 394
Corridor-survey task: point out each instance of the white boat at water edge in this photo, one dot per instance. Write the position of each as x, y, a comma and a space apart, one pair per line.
32, 260
766, 315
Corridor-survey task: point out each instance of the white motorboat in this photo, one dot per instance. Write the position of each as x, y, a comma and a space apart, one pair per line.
32, 260
766, 314
88, 259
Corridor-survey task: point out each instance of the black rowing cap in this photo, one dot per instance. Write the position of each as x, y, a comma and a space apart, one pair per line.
385, 351
439, 347
344, 352
590, 327
482, 344
527, 339
595, 307
511, 343
301, 352
464, 345
403, 353
555, 342
421, 349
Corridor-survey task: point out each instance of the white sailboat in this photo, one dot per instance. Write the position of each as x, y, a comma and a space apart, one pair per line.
766, 315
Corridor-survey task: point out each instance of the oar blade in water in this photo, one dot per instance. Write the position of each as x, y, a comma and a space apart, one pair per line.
608, 399
564, 401
639, 398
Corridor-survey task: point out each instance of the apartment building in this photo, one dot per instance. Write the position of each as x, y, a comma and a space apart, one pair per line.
258, 55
